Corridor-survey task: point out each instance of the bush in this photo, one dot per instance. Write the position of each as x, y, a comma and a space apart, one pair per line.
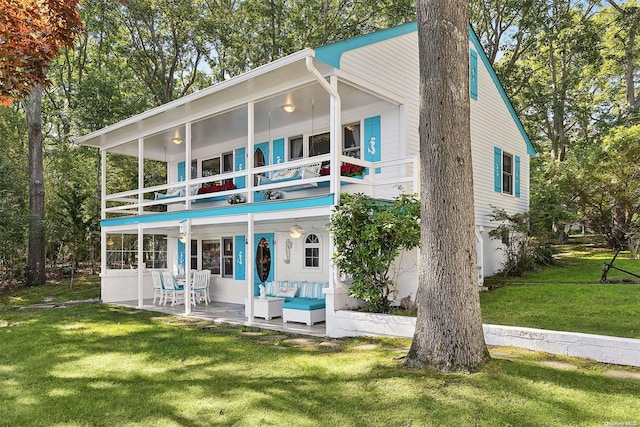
369, 235
522, 250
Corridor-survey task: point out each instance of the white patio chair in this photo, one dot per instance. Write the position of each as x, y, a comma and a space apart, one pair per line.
158, 288
172, 289
200, 286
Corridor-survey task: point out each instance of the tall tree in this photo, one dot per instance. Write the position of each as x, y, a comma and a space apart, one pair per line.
448, 331
33, 33
166, 47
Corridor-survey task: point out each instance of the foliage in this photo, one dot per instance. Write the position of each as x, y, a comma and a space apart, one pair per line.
603, 182
14, 194
33, 33
522, 250
369, 235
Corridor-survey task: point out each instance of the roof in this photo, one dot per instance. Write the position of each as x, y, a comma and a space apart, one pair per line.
329, 54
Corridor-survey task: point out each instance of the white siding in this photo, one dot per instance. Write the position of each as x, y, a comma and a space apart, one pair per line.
394, 64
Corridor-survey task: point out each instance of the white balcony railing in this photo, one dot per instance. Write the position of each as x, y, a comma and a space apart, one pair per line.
382, 178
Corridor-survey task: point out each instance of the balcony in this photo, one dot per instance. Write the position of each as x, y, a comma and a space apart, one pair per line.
283, 181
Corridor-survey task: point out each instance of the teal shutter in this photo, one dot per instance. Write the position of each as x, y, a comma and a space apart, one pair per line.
497, 169
278, 151
181, 246
516, 176
372, 151
239, 165
473, 74
239, 257
182, 174
181, 255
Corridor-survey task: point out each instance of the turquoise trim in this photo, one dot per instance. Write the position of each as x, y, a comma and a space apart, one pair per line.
239, 209
473, 74
182, 251
278, 151
269, 238
332, 53
497, 169
372, 142
182, 172
239, 257
474, 39
239, 164
516, 174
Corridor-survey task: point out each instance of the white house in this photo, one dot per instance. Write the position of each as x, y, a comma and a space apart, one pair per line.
289, 127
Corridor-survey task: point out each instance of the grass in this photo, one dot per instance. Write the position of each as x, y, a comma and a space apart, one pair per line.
569, 297
101, 365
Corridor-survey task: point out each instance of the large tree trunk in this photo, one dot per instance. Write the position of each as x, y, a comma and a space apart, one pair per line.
36, 257
449, 331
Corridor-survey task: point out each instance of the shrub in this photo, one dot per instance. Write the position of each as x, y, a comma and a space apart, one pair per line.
522, 250
369, 235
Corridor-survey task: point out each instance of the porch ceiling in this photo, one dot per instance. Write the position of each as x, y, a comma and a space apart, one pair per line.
311, 101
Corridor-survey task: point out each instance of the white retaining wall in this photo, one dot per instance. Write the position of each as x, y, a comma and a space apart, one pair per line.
619, 351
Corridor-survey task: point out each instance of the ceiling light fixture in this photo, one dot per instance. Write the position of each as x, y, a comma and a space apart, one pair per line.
296, 231
177, 138
289, 108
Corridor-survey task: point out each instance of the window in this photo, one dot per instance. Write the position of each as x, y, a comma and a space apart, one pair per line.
319, 144
507, 173
296, 148
211, 256
312, 251
122, 251
194, 254
227, 254
227, 165
194, 169
211, 167
351, 140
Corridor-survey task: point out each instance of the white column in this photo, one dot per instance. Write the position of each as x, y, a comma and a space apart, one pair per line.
187, 164
103, 182
140, 269
250, 144
103, 206
140, 175
249, 254
335, 129
187, 267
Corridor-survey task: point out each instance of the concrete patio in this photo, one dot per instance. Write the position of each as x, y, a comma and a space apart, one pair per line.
232, 314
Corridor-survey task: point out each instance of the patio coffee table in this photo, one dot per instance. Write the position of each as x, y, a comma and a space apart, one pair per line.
267, 308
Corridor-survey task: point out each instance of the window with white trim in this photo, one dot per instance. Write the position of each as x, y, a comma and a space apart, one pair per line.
122, 251
507, 173
211, 255
312, 251
227, 257
351, 140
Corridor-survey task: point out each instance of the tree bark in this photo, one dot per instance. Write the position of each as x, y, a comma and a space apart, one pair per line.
36, 255
448, 333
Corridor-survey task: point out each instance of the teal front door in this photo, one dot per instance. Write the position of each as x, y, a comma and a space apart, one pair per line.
264, 256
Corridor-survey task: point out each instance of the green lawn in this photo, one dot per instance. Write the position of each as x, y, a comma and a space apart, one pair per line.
569, 297
99, 365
